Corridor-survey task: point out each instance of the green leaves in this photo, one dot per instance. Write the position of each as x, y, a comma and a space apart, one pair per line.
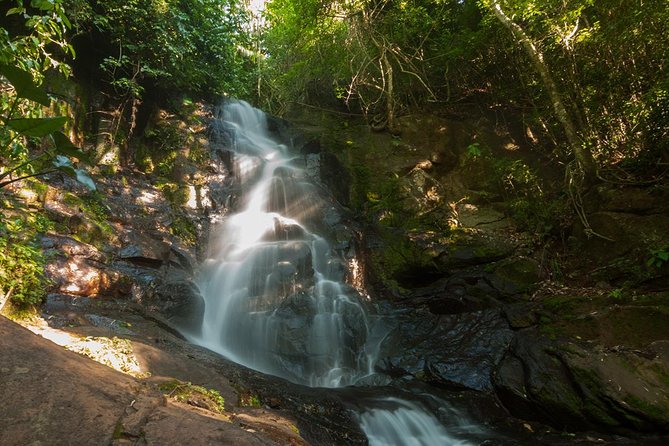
64, 164
37, 127
65, 147
24, 84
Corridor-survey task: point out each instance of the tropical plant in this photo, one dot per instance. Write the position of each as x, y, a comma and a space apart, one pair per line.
32, 143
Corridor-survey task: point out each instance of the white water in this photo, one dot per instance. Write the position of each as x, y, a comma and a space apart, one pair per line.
401, 422
274, 299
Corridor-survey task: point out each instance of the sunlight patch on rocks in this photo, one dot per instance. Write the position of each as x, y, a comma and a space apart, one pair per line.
114, 352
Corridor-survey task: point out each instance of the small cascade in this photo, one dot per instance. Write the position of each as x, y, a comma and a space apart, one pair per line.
393, 421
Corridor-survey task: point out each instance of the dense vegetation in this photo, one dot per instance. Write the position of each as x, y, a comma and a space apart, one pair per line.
589, 78
127, 60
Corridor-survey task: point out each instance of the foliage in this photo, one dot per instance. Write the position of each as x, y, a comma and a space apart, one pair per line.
171, 47
608, 59
21, 259
30, 143
659, 257
37, 40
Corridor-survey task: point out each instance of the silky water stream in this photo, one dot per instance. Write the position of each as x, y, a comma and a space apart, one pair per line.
275, 294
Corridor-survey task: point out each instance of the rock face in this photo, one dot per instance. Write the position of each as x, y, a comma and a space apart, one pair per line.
80, 269
583, 386
87, 403
472, 298
458, 350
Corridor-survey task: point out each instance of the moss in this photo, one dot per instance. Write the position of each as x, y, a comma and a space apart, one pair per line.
649, 410
401, 262
661, 374
118, 431
39, 188
248, 399
94, 227
174, 193
184, 228
198, 396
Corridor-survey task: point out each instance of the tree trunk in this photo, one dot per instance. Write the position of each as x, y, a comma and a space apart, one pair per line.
581, 153
390, 99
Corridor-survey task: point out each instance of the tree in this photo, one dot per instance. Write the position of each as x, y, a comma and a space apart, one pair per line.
581, 152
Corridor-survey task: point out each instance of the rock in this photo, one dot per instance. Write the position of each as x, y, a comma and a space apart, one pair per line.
460, 349
311, 146
469, 251
143, 249
335, 177
79, 277
633, 200
533, 383
65, 398
462, 292
81, 403
481, 217
583, 386
179, 299
516, 276
54, 244
628, 244
521, 315
421, 192
78, 269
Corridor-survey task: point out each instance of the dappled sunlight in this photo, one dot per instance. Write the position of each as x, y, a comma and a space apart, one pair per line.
114, 352
147, 197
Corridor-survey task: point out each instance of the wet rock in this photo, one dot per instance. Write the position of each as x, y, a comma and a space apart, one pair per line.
335, 177
181, 302
533, 382
460, 349
311, 146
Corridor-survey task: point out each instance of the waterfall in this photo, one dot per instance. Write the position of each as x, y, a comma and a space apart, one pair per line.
274, 290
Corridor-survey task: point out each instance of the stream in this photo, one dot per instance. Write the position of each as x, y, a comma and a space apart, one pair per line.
276, 294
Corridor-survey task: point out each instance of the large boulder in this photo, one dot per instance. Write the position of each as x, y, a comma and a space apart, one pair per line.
79, 269
583, 385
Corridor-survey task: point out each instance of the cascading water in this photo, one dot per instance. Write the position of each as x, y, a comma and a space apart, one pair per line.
275, 298
394, 421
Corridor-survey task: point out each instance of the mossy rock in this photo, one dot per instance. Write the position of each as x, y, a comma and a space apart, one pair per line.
467, 251
623, 385
516, 276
